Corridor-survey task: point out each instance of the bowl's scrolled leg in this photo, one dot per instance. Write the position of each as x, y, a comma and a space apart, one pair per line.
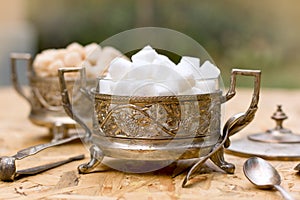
218, 159
96, 158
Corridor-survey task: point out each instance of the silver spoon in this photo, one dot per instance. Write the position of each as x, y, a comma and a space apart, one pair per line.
264, 175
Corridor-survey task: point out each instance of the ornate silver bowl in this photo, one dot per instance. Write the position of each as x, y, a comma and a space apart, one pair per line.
159, 127
44, 98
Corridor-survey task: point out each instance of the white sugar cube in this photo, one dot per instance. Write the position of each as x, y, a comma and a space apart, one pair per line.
92, 53
76, 47
163, 61
178, 85
193, 91
42, 61
162, 91
191, 65
119, 67
144, 56
209, 70
150, 72
185, 71
123, 88
54, 66
107, 55
152, 89
148, 88
192, 60
106, 86
91, 71
49, 52
85, 64
196, 91
145, 89
207, 85
60, 54
185, 92
72, 59
142, 72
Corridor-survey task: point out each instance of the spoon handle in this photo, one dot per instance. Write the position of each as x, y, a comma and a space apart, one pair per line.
283, 192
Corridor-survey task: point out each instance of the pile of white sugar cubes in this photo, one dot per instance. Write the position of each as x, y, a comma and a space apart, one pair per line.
152, 74
92, 56
148, 73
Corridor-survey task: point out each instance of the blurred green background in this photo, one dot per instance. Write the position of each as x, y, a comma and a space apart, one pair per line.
237, 34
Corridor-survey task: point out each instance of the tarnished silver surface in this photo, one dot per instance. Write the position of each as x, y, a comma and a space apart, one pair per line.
264, 175
136, 149
297, 167
44, 97
118, 143
272, 151
279, 134
232, 126
160, 117
96, 158
8, 171
278, 143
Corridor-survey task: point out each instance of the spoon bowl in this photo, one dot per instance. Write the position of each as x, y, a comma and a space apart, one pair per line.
263, 175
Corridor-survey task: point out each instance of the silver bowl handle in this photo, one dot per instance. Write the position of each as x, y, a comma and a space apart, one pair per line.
234, 123
43, 101
14, 74
14, 57
241, 120
66, 103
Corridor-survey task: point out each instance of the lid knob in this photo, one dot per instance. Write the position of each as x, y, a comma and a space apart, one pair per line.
279, 116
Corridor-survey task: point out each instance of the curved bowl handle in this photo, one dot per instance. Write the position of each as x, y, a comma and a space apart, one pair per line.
65, 94
241, 120
14, 75
43, 101
234, 123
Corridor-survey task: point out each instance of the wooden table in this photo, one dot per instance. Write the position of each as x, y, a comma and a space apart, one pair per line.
17, 132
